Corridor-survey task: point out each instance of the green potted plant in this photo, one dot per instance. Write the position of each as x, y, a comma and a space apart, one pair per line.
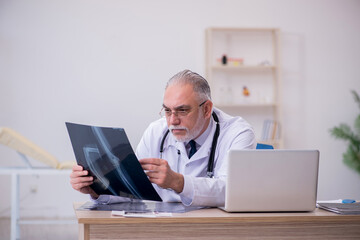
352, 155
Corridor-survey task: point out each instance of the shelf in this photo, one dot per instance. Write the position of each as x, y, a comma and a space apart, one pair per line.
242, 68
249, 105
232, 30
252, 61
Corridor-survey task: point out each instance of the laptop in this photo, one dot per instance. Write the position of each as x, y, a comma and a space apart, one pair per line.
271, 180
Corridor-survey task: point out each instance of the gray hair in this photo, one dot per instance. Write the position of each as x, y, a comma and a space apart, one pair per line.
200, 85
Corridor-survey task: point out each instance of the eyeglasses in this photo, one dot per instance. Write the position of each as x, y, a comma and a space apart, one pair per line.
181, 112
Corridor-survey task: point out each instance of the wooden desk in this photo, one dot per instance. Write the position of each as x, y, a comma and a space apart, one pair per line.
217, 224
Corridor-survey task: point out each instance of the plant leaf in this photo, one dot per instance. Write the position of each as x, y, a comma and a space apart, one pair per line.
352, 155
352, 159
356, 97
343, 131
357, 125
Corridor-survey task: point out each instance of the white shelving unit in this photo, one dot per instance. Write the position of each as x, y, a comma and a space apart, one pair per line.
248, 84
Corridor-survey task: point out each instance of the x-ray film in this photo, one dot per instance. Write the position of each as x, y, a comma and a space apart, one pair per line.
108, 156
141, 207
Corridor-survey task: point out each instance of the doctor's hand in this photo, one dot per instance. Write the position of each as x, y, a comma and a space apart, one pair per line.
160, 173
81, 182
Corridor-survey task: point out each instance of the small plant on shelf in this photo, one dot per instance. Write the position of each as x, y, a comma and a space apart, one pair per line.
352, 155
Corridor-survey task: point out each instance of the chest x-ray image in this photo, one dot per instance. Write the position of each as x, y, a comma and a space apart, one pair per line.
108, 156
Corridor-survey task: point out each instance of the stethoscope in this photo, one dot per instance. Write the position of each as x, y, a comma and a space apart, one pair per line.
210, 167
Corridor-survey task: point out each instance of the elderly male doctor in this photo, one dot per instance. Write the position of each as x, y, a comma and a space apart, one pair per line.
175, 150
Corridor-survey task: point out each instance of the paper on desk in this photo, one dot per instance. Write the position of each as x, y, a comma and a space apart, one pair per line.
141, 214
330, 201
341, 208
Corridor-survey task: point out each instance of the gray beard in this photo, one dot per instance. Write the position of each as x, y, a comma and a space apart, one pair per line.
200, 121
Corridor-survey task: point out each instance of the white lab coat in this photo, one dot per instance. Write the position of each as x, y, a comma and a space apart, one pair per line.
199, 190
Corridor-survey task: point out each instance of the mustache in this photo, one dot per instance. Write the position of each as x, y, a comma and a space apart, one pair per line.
172, 127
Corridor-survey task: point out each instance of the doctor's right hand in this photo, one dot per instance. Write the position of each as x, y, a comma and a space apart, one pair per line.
81, 182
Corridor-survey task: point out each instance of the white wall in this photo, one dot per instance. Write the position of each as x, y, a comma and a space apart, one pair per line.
106, 63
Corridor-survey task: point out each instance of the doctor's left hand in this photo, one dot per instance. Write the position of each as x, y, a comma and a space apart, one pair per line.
160, 173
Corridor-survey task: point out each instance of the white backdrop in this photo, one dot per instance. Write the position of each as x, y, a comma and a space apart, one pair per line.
106, 63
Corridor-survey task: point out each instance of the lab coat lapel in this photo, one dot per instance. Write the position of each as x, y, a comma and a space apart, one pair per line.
178, 145
202, 152
181, 147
